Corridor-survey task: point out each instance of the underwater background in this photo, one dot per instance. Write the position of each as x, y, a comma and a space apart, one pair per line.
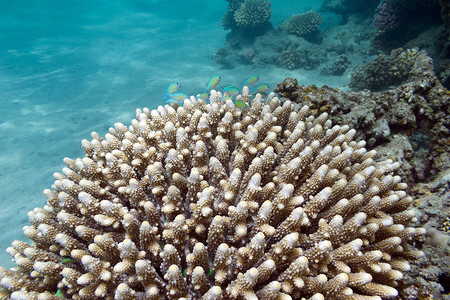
68, 68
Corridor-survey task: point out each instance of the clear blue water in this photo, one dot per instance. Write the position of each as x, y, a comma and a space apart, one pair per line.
68, 68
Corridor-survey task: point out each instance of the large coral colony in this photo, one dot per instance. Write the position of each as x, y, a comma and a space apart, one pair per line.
208, 201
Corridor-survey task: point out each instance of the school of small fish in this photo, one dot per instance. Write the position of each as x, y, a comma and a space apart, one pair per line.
229, 92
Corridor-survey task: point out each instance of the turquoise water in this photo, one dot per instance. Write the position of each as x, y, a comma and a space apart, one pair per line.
68, 68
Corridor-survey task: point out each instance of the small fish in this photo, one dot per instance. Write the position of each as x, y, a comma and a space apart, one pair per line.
203, 96
240, 104
210, 272
262, 88
171, 89
59, 293
231, 90
177, 97
226, 98
251, 80
68, 261
213, 82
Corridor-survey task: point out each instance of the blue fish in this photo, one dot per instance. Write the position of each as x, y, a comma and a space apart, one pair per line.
231, 90
262, 88
251, 80
240, 104
171, 89
177, 98
203, 96
213, 82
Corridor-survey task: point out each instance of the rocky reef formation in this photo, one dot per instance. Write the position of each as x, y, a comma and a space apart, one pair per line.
409, 124
418, 106
208, 201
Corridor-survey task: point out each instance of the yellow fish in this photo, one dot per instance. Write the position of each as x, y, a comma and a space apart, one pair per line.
177, 98
240, 104
171, 89
262, 88
203, 96
231, 90
251, 80
213, 82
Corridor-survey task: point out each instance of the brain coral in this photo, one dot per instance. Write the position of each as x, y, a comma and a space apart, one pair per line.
209, 201
302, 24
252, 13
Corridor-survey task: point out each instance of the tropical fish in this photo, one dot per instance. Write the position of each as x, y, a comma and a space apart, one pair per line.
240, 104
68, 260
251, 80
171, 89
226, 98
177, 97
203, 96
213, 82
262, 88
231, 90
210, 272
59, 293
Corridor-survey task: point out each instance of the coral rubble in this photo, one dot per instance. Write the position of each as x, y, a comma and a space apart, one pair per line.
213, 202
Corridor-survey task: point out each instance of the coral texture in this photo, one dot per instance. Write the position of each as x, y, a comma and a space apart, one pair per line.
207, 201
252, 13
385, 71
337, 67
289, 59
388, 16
302, 24
414, 116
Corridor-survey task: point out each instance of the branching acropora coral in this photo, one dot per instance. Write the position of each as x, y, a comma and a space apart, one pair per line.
302, 24
207, 201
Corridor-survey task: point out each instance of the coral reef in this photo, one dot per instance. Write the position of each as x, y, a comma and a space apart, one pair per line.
408, 124
414, 116
247, 19
388, 16
337, 67
252, 13
228, 21
289, 59
431, 199
210, 201
302, 24
313, 51
385, 71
